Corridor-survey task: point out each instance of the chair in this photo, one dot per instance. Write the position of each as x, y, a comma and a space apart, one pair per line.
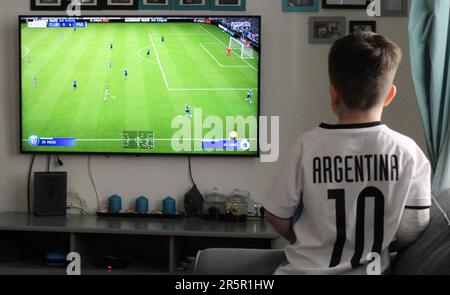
238, 261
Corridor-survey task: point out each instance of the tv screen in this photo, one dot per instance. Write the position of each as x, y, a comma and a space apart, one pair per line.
140, 85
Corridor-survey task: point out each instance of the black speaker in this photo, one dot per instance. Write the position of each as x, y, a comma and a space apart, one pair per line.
50, 193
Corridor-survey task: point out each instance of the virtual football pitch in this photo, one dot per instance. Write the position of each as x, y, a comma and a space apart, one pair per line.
190, 67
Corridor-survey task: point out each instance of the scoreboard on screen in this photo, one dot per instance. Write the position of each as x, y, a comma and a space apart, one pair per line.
57, 23
67, 23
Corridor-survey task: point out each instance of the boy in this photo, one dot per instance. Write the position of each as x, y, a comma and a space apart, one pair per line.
349, 190
228, 51
75, 85
125, 72
163, 39
34, 82
148, 53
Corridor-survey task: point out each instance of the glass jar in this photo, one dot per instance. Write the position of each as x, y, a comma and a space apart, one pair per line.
214, 205
236, 206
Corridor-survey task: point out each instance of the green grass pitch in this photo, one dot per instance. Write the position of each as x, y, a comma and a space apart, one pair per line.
190, 67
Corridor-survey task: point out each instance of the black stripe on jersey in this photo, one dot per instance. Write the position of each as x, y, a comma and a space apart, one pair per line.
417, 208
350, 126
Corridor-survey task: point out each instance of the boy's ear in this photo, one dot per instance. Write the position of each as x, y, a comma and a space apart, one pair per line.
333, 95
392, 93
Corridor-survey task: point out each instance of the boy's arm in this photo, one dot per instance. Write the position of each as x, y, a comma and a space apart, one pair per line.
413, 224
282, 226
416, 215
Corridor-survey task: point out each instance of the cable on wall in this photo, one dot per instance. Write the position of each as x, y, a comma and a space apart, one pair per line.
49, 158
91, 177
30, 171
191, 178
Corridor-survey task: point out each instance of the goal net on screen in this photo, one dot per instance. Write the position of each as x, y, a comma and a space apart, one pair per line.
243, 50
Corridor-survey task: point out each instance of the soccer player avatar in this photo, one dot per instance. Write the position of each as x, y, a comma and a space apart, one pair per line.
110, 64
75, 85
34, 82
111, 46
163, 39
233, 135
148, 53
125, 72
188, 111
250, 96
106, 93
228, 51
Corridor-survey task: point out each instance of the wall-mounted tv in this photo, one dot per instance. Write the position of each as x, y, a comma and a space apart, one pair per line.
140, 85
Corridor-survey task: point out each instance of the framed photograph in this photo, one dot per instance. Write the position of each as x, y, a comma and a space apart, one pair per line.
345, 4
236, 5
48, 5
362, 26
394, 7
192, 4
120, 4
301, 5
326, 30
156, 4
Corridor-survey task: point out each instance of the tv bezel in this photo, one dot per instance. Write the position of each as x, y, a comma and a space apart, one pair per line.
257, 154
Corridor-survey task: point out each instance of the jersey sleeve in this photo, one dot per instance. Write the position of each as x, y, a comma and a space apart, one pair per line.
284, 198
420, 191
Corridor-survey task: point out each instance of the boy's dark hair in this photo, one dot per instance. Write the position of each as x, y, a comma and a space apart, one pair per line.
361, 67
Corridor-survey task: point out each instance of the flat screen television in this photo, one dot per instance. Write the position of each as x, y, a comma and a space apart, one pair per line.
140, 85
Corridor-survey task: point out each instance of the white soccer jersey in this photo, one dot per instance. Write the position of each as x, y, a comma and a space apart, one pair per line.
346, 187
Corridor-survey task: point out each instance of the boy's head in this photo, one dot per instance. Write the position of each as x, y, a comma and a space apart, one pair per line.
362, 68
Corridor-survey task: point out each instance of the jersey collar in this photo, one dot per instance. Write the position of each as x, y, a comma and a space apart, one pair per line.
350, 126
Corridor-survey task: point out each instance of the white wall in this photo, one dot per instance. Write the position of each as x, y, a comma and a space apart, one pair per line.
294, 87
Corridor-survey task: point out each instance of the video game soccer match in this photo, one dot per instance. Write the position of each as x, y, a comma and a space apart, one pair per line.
140, 85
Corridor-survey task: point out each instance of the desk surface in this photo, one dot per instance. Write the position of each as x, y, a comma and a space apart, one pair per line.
254, 229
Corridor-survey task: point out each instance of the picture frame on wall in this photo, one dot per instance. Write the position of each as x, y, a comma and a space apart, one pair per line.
301, 5
398, 8
362, 26
345, 4
48, 5
326, 30
156, 4
232, 5
192, 4
120, 5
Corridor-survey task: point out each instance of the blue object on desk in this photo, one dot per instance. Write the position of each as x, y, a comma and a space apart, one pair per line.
141, 205
56, 258
115, 204
169, 206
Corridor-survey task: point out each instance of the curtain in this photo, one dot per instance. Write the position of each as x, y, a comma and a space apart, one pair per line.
429, 32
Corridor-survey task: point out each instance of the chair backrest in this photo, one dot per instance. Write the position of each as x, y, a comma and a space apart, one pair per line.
238, 261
